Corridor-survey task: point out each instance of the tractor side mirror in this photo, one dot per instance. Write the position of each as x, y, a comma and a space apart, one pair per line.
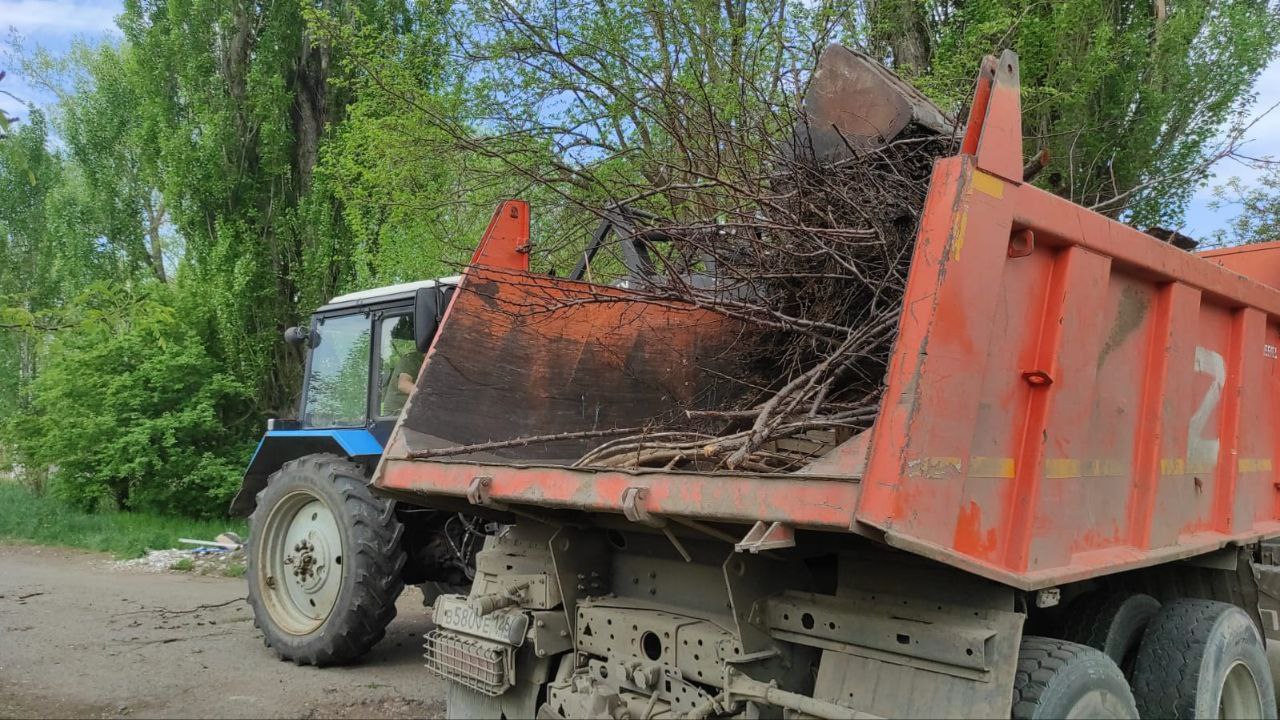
427, 306
301, 336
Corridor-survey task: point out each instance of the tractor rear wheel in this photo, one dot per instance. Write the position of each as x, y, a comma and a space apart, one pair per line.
324, 562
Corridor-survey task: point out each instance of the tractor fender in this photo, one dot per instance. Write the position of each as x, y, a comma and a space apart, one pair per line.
278, 447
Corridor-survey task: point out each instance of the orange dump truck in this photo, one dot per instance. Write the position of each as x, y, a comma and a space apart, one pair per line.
1062, 509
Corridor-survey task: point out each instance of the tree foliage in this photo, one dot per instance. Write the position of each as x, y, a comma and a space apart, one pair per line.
1256, 204
1122, 94
132, 409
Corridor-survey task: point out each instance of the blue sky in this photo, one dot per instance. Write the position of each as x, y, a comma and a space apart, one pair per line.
53, 24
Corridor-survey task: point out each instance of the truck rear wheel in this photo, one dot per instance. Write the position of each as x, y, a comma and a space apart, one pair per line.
1201, 658
324, 562
1112, 622
1061, 679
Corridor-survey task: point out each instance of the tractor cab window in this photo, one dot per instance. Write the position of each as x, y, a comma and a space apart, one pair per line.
400, 362
338, 375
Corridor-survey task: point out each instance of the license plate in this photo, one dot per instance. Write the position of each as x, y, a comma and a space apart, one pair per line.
504, 626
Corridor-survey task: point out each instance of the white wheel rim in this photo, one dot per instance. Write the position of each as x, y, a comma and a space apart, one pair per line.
301, 554
1240, 695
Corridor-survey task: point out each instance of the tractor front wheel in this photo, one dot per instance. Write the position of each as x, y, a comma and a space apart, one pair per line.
324, 562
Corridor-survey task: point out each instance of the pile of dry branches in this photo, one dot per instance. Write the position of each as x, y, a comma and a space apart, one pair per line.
808, 248
814, 258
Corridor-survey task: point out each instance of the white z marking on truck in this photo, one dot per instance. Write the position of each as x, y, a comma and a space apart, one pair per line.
1201, 450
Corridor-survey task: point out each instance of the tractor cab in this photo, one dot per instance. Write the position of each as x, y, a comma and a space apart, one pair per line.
363, 353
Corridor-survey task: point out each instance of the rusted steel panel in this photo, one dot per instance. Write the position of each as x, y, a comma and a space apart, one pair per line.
1260, 261
1068, 396
854, 102
521, 355
823, 503
505, 243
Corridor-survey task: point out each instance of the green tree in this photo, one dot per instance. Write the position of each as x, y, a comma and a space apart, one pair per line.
132, 410
241, 98
29, 260
1257, 205
110, 144
406, 194
1129, 98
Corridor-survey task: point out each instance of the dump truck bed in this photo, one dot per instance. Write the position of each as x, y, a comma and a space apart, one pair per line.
1068, 397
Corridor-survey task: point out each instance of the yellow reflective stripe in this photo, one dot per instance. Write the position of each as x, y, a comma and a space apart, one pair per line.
988, 184
991, 467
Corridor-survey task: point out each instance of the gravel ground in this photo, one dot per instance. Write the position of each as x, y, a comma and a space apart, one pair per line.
84, 636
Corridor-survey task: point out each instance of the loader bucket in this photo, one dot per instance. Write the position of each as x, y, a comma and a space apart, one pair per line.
521, 355
854, 103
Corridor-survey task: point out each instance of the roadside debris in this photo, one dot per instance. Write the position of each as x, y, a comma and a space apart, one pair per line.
225, 541
223, 556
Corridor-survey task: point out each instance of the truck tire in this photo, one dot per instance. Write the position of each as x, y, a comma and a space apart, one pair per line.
1062, 679
1201, 658
324, 562
1112, 622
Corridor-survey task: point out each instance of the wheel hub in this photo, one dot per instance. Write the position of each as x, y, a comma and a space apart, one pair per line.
308, 565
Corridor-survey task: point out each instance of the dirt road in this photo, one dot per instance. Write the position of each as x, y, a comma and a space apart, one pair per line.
81, 638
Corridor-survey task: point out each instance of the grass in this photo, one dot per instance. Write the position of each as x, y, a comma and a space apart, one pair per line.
234, 570
183, 565
46, 521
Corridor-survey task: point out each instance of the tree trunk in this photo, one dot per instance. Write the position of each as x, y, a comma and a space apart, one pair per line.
310, 106
155, 217
900, 30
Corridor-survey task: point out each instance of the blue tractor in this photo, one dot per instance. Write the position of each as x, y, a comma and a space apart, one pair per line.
327, 558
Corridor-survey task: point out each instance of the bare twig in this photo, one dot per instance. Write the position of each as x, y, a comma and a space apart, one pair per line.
521, 442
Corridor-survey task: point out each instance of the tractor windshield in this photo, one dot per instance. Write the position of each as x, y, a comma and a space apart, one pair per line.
338, 376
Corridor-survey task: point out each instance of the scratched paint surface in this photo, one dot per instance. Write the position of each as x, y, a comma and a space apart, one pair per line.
522, 355
1155, 433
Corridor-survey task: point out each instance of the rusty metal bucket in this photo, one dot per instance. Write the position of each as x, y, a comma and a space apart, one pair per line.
855, 103
522, 355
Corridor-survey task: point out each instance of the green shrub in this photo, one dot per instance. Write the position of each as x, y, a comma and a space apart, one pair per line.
183, 565
132, 409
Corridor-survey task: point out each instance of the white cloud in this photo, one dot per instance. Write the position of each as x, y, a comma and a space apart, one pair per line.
36, 19
52, 25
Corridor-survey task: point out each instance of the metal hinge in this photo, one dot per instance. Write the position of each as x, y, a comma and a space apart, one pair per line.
478, 493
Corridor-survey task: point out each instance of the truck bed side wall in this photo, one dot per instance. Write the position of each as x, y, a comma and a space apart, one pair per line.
1069, 395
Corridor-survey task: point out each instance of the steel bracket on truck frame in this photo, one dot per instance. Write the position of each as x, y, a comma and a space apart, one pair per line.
767, 536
